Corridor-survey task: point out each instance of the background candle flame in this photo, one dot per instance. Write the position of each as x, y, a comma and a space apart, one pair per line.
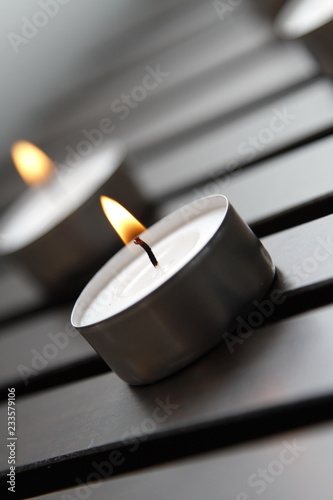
34, 166
127, 226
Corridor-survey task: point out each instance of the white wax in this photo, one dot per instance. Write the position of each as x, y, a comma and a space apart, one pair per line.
129, 276
40, 209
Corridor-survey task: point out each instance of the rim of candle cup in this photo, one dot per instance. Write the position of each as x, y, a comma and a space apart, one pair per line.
117, 151
95, 282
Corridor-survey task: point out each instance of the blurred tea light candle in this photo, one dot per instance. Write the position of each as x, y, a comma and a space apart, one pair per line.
300, 17
54, 228
313, 21
148, 319
50, 198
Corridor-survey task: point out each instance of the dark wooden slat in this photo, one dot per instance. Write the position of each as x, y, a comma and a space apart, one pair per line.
37, 347
219, 92
154, 450
170, 24
298, 465
272, 188
281, 365
189, 57
303, 256
18, 291
308, 112
305, 277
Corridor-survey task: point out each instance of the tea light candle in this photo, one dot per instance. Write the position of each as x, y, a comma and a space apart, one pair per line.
55, 227
311, 20
148, 321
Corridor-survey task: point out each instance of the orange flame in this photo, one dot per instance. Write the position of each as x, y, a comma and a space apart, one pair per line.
127, 226
34, 166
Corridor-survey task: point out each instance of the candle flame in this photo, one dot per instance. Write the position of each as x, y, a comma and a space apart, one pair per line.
127, 226
34, 166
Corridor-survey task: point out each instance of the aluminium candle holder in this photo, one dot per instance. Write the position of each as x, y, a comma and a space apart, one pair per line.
187, 314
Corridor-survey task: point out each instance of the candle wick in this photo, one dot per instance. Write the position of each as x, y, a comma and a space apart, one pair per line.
146, 247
